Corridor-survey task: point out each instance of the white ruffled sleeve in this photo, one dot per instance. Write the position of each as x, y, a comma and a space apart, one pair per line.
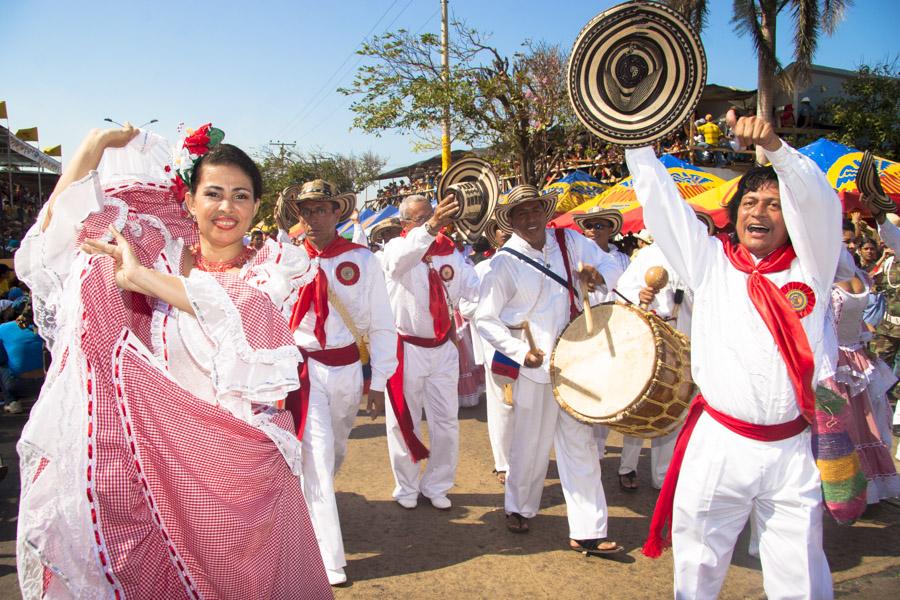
262, 369
279, 271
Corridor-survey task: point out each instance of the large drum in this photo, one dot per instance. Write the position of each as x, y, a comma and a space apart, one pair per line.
632, 374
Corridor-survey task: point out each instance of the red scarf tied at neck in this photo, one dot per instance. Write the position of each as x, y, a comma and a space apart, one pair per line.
437, 300
315, 293
780, 318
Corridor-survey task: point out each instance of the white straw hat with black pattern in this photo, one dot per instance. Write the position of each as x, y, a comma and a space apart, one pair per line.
611, 215
636, 73
519, 195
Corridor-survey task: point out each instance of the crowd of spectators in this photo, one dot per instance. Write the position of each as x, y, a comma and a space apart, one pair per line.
21, 349
19, 209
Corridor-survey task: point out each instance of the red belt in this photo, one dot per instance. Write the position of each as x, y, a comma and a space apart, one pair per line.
298, 400
417, 449
662, 514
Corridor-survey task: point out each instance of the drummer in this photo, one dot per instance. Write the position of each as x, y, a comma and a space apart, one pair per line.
674, 303
761, 299
531, 280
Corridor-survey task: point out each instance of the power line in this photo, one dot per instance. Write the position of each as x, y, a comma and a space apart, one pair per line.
315, 97
347, 104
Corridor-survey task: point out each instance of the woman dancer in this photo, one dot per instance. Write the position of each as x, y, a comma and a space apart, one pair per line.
157, 462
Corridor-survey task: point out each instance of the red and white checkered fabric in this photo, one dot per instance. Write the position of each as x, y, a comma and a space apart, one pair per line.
202, 504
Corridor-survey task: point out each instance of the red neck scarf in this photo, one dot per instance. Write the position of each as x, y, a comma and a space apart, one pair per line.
315, 293
437, 299
780, 319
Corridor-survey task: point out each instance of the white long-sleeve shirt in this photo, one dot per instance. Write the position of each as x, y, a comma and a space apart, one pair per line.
622, 261
890, 235
407, 281
356, 279
632, 282
734, 359
514, 291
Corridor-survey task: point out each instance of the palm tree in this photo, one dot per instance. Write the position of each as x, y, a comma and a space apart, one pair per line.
758, 18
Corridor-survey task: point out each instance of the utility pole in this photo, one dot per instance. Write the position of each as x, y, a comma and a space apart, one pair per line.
282, 153
445, 76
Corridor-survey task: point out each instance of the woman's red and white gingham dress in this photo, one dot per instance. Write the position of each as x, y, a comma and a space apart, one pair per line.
157, 462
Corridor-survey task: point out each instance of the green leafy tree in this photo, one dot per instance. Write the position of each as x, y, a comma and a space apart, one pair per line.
517, 105
866, 117
349, 172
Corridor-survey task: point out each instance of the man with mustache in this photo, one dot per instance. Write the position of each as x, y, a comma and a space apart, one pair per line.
760, 299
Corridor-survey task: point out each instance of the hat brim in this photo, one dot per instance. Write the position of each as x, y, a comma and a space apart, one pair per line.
502, 212
475, 170
636, 73
708, 221
346, 202
610, 216
378, 231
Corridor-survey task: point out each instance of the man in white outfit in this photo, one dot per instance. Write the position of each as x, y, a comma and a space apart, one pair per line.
499, 413
757, 341
533, 279
347, 300
426, 278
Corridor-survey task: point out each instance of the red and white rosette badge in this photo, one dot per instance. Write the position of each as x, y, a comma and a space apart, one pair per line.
347, 273
197, 143
800, 296
446, 272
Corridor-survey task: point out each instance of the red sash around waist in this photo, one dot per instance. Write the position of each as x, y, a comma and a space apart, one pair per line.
662, 514
417, 449
298, 400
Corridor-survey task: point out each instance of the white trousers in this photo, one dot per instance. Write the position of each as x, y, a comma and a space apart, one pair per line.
430, 377
725, 476
538, 424
499, 421
661, 449
334, 397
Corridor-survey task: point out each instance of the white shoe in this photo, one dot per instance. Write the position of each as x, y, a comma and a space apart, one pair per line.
14, 408
408, 503
336, 577
441, 502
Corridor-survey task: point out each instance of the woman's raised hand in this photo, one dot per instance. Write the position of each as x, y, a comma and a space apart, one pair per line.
127, 263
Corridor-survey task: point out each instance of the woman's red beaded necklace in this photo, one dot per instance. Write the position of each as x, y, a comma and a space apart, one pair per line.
220, 267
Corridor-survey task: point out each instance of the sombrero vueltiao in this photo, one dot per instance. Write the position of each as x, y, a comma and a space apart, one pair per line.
706, 220
636, 72
319, 189
476, 188
380, 228
518, 196
490, 231
285, 208
611, 215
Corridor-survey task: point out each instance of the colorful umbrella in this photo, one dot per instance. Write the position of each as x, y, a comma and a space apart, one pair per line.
573, 189
690, 180
840, 164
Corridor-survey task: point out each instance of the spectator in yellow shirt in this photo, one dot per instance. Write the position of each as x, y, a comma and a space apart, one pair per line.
711, 132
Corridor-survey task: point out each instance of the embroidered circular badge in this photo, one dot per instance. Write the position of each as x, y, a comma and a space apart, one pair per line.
800, 296
347, 273
446, 272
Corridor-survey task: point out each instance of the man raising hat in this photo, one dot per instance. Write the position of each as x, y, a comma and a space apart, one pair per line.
533, 279
760, 301
346, 301
426, 278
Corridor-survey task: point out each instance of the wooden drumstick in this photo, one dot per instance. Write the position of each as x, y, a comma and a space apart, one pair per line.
656, 279
586, 302
529, 338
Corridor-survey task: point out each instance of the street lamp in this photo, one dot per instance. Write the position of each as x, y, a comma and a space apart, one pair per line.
150, 122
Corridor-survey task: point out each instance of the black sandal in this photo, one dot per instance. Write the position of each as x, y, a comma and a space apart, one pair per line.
595, 547
516, 523
628, 482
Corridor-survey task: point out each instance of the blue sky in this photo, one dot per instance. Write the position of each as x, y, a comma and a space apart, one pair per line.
268, 70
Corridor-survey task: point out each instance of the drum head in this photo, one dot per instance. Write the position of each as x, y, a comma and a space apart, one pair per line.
598, 376
635, 73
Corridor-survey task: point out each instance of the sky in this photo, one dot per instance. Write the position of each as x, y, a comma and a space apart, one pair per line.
268, 70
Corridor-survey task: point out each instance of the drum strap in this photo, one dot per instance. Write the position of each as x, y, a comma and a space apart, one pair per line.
538, 266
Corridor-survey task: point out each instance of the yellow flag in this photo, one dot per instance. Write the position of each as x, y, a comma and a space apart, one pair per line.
28, 135
53, 150
3, 114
